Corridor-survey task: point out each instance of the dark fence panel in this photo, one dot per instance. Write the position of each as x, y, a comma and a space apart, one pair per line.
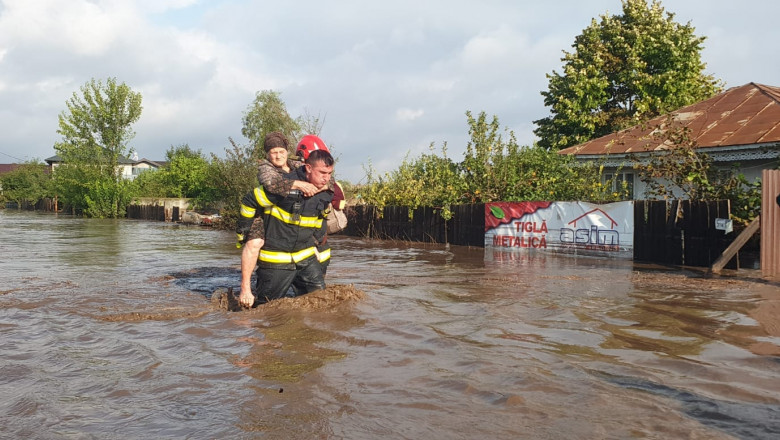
467, 226
657, 236
428, 225
146, 212
682, 233
702, 243
361, 221
395, 223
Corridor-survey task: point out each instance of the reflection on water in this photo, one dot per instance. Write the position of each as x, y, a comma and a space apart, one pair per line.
108, 331
744, 420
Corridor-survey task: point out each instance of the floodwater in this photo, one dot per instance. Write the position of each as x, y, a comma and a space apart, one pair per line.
108, 331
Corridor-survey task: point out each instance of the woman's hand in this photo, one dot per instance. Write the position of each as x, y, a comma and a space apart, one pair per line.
306, 188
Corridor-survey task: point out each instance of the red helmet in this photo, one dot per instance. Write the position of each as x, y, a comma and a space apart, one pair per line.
308, 144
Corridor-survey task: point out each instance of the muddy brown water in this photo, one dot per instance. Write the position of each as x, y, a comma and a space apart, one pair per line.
108, 330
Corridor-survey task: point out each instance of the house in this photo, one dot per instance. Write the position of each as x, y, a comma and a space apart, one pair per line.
8, 167
739, 126
129, 168
145, 164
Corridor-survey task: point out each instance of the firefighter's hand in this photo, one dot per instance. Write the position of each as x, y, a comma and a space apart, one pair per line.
246, 299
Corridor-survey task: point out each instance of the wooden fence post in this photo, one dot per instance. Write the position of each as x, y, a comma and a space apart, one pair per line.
770, 223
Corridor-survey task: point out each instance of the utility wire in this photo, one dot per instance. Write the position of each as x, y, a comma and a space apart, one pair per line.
12, 157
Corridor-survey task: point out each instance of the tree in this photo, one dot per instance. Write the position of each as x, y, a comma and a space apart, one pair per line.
185, 175
624, 69
95, 131
186, 171
309, 124
27, 184
228, 180
266, 114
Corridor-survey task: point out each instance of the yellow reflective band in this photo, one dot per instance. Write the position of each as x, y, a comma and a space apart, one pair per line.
285, 257
247, 212
286, 217
324, 255
261, 198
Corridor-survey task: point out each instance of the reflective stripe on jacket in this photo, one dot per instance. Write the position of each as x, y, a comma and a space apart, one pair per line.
285, 257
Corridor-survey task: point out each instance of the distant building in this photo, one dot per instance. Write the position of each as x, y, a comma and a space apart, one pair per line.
129, 169
144, 165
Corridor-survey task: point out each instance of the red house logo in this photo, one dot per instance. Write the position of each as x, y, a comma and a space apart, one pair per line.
589, 235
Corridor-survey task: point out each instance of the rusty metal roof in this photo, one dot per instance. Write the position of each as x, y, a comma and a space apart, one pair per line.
8, 167
740, 116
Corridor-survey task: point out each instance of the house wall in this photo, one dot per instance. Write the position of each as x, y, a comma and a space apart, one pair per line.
751, 169
141, 167
126, 171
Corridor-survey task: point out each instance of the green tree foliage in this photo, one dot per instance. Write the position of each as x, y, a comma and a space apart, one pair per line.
185, 175
480, 178
228, 180
493, 169
107, 198
187, 170
27, 184
267, 113
624, 69
430, 180
153, 183
309, 124
95, 130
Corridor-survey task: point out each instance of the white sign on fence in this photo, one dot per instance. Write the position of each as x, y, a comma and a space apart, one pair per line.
566, 227
724, 224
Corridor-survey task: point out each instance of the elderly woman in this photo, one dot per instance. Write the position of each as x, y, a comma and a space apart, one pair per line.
270, 176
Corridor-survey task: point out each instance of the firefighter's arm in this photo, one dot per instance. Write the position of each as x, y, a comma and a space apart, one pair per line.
250, 208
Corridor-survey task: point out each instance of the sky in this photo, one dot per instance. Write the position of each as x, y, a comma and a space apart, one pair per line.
388, 79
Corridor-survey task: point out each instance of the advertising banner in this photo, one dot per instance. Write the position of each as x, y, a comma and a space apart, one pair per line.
566, 227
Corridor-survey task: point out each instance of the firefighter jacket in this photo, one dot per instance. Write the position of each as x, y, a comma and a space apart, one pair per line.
294, 224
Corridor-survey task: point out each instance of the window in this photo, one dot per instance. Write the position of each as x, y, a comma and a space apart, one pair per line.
617, 180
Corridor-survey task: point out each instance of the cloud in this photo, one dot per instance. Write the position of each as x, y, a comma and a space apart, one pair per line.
407, 114
80, 27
